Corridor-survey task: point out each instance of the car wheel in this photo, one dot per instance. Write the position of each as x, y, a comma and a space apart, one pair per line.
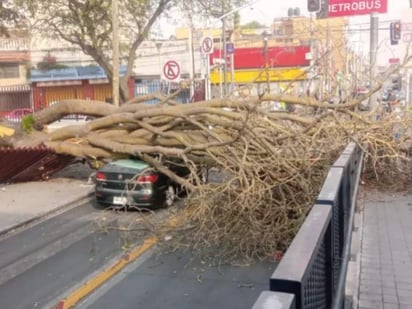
170, 196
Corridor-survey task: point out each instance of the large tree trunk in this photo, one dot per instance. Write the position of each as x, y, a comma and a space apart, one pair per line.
124, 89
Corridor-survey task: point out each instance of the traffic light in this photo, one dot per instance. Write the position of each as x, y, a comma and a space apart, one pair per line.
395, 32
314, 5
397, 83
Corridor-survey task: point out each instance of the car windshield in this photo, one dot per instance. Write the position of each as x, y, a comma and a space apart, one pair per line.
135, 164
74, 117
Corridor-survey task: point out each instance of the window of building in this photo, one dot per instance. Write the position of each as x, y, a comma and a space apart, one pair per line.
9, 70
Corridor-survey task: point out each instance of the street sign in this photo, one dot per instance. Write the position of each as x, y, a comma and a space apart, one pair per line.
394, 60
218, 61
407, 37
230, 48
171, 70
338, 8
406, 27
206, 45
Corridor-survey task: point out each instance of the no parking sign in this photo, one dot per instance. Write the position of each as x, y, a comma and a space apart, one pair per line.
171, 70
206, 45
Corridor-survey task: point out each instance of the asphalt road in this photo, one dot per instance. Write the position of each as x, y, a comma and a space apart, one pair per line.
176, 281
42, 262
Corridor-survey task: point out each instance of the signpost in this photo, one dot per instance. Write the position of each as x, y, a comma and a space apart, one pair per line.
206, 46
171, 70
339, 8
394, 60
230, 48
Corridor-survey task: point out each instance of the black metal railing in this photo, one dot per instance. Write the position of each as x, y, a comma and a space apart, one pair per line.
312, 273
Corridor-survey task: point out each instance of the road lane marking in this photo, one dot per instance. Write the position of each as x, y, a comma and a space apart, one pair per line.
92, 284
71, 300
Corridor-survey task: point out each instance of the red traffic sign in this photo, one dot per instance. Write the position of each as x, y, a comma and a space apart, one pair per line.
206, 45
171, 70
339, 8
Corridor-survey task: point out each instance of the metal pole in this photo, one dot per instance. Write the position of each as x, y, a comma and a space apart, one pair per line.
372, 57
265, 41
232, 71
192, 71
409, 96
329, 65
208, 87
192, 55
115, 78
207, 77
220, 69
224, 57
313, 82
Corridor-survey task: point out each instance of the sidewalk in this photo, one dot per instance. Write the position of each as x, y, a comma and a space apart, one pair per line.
386, 252
22, 203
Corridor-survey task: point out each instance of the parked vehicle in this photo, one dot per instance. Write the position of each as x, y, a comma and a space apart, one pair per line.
16, 115
69, 120
132, 182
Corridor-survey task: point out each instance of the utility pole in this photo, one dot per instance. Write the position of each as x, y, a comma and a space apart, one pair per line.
266, 52
374, 21
191, 53
329, 60
409, 95
223, 19
224, 57
115, 39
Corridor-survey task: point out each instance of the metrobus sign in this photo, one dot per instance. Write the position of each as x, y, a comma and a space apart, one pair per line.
337, 8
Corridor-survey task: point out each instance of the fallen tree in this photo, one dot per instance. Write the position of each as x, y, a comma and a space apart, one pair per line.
269, 164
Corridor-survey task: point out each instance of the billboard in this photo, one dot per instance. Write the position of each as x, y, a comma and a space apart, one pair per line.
278, 56
339, 8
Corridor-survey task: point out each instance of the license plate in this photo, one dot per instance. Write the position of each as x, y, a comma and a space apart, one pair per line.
119, 200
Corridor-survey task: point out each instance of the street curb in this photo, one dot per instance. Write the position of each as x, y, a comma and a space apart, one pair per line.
354, 264
46, 214
353, 274
358, 260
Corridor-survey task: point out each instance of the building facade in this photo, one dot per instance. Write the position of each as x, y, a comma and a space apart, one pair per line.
14, 71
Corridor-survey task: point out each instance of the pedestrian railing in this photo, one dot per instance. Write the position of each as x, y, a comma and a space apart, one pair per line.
312, 273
